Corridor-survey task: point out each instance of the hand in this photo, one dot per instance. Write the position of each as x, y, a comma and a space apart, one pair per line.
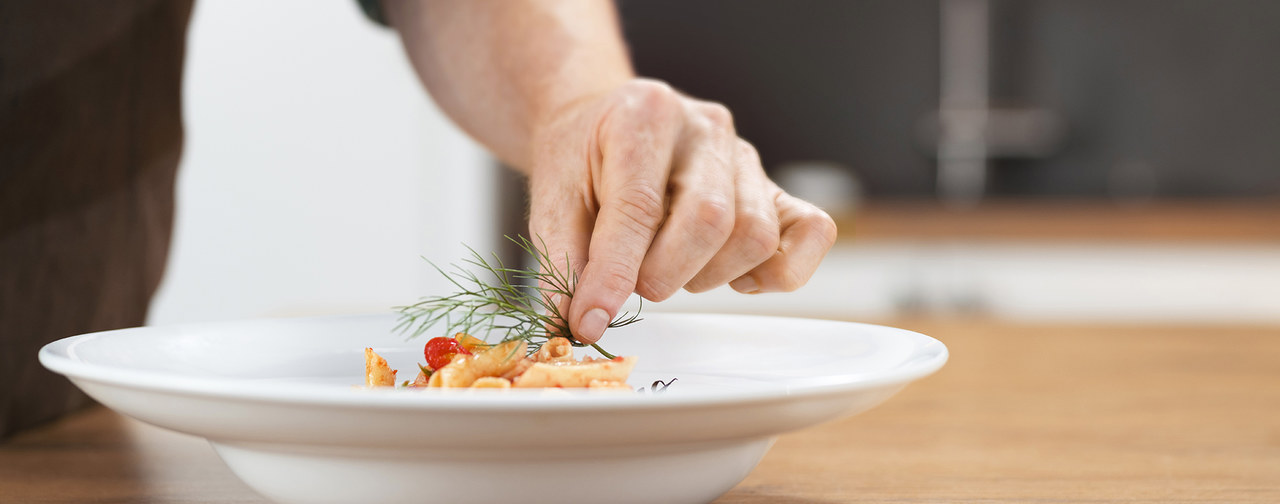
648, 191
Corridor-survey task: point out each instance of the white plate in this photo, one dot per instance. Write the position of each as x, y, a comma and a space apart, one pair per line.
276, 399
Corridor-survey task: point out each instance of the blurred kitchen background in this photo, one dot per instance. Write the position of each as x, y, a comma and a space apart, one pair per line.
1050, 160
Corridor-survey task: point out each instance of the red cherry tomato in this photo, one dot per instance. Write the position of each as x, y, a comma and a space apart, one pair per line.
440, 351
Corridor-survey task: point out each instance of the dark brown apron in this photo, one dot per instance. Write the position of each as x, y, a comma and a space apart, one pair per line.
90, 138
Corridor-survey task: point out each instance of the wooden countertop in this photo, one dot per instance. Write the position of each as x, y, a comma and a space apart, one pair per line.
1193, 221
1022, 413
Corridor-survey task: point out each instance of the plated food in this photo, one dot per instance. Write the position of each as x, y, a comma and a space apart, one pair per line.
288, 421
519, 305
465, 361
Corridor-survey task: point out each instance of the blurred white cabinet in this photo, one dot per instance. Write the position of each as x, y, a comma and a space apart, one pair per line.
316, 170
1102, 281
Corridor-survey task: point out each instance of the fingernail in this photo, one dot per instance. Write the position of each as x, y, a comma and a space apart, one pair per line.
557, 300
592, 325
745, 284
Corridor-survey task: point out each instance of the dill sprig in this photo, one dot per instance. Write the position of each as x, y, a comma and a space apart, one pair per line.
516, 302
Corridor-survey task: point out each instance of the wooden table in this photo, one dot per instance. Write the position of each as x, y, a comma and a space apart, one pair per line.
1056, 221
1022, 413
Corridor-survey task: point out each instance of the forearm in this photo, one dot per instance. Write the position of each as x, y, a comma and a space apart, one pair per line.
500, 68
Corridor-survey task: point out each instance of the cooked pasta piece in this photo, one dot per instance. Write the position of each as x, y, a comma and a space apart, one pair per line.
471, 343
518, 370
556, 349
465, 370
376, 371
491, 382
575, 374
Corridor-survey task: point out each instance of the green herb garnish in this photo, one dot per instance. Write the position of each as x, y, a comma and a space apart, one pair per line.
516, 302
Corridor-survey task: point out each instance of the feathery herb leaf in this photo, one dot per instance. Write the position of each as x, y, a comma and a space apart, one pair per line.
516, 302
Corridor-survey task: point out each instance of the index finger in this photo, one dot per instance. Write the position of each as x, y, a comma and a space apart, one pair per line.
636, 146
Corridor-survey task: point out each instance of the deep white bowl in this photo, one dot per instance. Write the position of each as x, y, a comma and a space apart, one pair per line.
279, 401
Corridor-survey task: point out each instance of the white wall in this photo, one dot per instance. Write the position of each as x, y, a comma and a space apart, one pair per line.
316, 171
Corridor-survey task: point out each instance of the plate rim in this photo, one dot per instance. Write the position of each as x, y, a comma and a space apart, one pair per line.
928, 357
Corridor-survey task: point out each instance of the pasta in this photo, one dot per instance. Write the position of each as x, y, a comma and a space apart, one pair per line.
376, 371
465, 361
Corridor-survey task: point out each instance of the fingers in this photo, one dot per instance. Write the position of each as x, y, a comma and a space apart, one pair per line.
702, 207
560, 225
661, 194
807, 234
754, 238
637, 142
561, 211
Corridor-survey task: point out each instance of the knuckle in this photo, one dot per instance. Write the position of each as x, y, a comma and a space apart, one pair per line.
748, 151
822, 226
643, 205
760, 237
749, 156
649, 96
617, 278
654, 289
714, 217
718, 114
